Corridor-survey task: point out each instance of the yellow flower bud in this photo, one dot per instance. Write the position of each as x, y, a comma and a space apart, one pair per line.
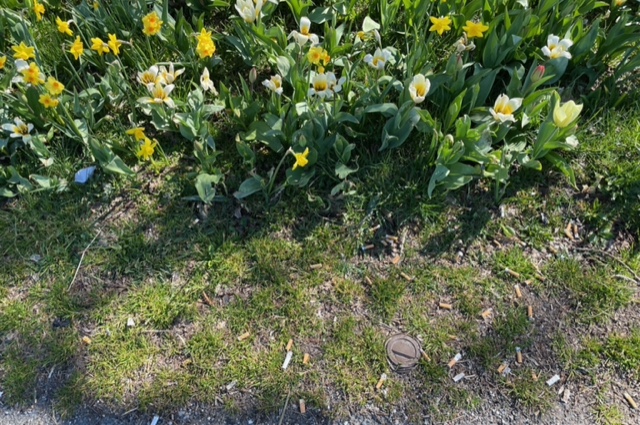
565, 114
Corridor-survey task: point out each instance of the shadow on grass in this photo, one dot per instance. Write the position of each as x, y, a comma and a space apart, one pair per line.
156, 255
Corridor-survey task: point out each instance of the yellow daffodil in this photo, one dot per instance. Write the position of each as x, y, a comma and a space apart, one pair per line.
274, 84
379, 59
63, 26
77, 48
19, 130
619, 3
3, 61
54, 86
475, 29
504, 108
38, 8
440, 25
47, 101
301, 159
99, 46
137, 132
419, 88
206, 47
147, 149
152, 24
249, 10
565, 114
317, 55
24, 52
557, 48
32, 75
114, 44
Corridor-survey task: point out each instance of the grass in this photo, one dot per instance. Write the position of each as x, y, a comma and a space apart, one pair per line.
193, 284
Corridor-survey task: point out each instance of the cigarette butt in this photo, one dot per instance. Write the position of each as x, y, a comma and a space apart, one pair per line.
518, 291
458, 377
454, 360
315, 266
512, 273
445, 306
540, 277
487, 313
375, 228
631, 401
553, 380
391, 238
425, 356
575, 231
368, 247
383, 378
289, 345
453, 338
86, 340
368, 280
384, 242
287, 360
396, 260
534, 376
569, 231
406, 276
306, 358
530, 312
303, 407
519, 355
553, 249
502, 368
244, 336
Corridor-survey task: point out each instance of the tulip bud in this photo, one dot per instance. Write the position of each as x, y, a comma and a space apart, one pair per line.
538, 73
449, 140
253, 75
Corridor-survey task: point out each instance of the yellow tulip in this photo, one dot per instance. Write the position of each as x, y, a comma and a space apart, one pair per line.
565, 114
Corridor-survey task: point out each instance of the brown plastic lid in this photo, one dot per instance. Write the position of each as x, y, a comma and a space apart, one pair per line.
403, 352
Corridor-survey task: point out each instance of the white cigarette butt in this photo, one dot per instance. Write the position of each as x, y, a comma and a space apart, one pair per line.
287, 360
155, 420
554, 379
458, 377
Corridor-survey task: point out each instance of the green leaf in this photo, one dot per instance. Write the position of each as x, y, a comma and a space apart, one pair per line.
320, 15
386, 109
205, 185
439, 174
249, 187
284, 65
342, 171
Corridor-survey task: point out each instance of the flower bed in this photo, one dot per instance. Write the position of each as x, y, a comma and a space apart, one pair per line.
482, 86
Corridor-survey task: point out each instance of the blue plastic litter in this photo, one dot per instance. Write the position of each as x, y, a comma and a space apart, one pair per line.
83, 175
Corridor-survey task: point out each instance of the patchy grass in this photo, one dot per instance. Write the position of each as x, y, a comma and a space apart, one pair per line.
193, 281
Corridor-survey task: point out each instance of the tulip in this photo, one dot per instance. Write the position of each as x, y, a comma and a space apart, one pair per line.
566, 113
